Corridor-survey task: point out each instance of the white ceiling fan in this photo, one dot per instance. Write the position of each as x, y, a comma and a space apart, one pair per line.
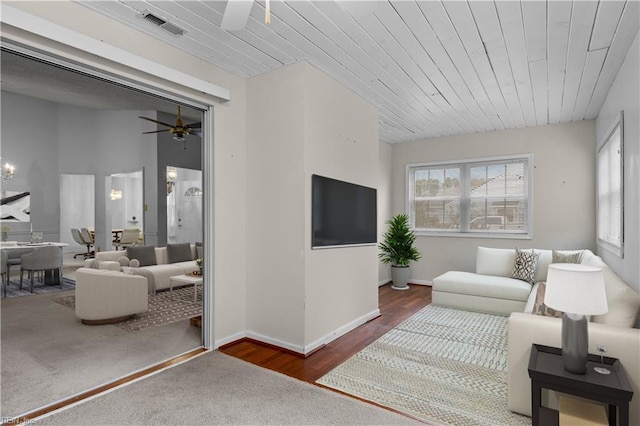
237, 12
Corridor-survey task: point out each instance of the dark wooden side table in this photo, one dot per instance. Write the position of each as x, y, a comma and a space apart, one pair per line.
546, 371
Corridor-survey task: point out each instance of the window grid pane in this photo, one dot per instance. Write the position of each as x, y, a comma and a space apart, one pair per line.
495, 199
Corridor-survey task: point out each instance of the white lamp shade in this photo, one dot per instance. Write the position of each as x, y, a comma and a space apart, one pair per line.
576, 289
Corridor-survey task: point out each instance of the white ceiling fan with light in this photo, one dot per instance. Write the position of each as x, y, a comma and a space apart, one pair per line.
237, 12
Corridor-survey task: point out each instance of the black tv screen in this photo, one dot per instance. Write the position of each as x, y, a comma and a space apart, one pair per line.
343, 213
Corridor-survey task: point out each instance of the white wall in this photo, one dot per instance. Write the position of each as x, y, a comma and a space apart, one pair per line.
275, 206
624, 95
384, 203
302, 122
563, 190
341, 142
229, 151
30, 126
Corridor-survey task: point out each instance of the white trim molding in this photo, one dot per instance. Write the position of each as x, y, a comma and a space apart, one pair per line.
41, 27
341, 331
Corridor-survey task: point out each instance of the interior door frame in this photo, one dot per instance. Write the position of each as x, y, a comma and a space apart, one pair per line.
47, 53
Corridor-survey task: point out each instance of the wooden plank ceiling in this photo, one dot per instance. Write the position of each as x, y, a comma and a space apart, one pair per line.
432, 68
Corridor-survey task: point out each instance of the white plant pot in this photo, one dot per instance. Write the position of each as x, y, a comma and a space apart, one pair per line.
400, 277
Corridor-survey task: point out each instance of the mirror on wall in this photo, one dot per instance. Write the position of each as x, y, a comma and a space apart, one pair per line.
184, 205
77, 207
125, 206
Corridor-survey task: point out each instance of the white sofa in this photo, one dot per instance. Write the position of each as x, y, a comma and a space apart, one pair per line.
492, 290
105, 296
157, 275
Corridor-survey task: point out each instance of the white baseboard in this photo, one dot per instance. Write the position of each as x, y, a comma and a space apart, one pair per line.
232, 338
275, 342
303, 350
420, 282
383, 282
341, 331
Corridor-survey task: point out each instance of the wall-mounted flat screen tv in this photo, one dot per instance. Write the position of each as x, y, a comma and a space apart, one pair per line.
343, 213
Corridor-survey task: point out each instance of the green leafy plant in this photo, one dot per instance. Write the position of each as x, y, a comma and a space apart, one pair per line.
397, 247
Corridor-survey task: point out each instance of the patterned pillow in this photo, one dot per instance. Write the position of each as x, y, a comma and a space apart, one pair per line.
525, 266
539, 308
557, 257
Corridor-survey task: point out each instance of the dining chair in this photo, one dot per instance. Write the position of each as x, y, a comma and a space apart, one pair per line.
89, 240
77, 237
129, 238
42, 259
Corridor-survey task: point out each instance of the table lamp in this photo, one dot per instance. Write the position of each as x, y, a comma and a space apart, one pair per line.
577, 290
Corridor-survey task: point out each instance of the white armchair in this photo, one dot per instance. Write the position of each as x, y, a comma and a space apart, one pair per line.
105, 297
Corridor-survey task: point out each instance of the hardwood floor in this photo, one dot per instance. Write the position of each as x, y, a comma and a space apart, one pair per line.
395, 307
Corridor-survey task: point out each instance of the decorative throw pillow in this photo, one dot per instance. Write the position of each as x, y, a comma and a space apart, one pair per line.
525, 266
146, 255
539, 308
179, 252
557, 257
123, 261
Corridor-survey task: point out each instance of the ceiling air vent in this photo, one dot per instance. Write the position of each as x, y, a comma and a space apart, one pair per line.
158, 21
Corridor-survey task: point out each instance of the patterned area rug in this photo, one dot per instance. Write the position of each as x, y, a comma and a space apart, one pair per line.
13, 289
443, 366
164, 308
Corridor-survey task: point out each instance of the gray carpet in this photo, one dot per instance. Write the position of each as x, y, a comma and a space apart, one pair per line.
218, 389
48, 354
442, 365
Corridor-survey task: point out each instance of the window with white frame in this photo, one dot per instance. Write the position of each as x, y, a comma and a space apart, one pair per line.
472, 197
610, 190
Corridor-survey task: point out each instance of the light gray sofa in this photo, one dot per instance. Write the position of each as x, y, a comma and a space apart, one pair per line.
613, 329
157, 275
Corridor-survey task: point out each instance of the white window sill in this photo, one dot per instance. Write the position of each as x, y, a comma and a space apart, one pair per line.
504, 236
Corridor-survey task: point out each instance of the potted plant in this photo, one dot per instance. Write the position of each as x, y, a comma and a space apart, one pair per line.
398, 250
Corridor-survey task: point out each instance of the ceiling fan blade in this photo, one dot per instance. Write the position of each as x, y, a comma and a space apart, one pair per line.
156, 121
195, 133
194, 125
155, 131
236, 14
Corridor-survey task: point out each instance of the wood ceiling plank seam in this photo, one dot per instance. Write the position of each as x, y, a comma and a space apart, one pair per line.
296, 28
408, 64
247, 36
375, 56
592, 70
339, 39
534, 15
112, 10
559, 22
374, 27
624, 36
448, 38
512, 27
582, 21
485, 15
444, 96
465, 27
538, 72
607, 19
207, 33
407, 40
413, 16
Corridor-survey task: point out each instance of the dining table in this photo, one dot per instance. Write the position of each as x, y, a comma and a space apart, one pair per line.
51, 277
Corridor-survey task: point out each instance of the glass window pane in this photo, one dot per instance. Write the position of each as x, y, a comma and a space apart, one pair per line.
437, 214
498, 214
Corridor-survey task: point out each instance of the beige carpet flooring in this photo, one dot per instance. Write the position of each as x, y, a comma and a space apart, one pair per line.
217, 389
48, 354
